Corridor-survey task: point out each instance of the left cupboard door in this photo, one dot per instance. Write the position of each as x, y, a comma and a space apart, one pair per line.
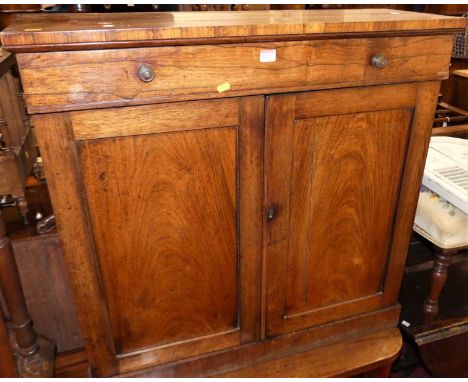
159, 210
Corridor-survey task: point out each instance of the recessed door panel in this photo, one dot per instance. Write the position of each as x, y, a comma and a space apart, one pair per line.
172, 203
346, 171
334, 183
163, 208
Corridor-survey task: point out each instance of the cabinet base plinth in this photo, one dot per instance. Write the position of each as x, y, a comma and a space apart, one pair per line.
368, 354
351, 357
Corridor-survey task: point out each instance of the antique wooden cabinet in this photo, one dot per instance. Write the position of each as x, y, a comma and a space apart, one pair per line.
235, 192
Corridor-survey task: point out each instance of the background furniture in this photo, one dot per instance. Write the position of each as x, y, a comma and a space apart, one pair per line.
454, 91
441, 223
140, 279
17, 141
441, 347
450, 120
47, 289
39, 257
35, 355
460, 98
439, 340
442, 212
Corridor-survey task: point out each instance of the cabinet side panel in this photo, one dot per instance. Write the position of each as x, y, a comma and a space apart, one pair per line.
414, 168
164, 213
58, 149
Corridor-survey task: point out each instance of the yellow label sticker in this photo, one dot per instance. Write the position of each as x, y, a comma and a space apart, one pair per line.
33, 29
223, 87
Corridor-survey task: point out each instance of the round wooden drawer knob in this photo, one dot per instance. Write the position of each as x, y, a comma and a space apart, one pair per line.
146, 73
379, 61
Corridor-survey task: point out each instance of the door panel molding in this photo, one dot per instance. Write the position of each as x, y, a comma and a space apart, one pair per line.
78, 134
311, 111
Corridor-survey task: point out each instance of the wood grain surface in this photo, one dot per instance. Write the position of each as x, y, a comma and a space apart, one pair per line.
66, 29
65, 186
229, 360
177, 255
322, 265
356, 330
155, 119
110, 77
223, 215
169, 257
15, 130
353, 163
346, 358
418, 145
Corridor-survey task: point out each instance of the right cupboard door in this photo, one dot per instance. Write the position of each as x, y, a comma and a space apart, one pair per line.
343, 170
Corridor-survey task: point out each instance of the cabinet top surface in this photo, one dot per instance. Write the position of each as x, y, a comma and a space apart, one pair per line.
98, 30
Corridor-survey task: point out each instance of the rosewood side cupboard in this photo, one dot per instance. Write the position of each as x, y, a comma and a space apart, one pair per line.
235, 191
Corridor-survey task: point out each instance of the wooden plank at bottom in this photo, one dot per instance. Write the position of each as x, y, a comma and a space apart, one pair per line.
244, 356
355, 333
345, 358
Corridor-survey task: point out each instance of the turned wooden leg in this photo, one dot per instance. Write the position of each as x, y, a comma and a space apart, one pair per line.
22, 205
439, 277
35, 356
7, 359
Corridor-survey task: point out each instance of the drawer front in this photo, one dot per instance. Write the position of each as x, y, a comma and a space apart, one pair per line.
93, 79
